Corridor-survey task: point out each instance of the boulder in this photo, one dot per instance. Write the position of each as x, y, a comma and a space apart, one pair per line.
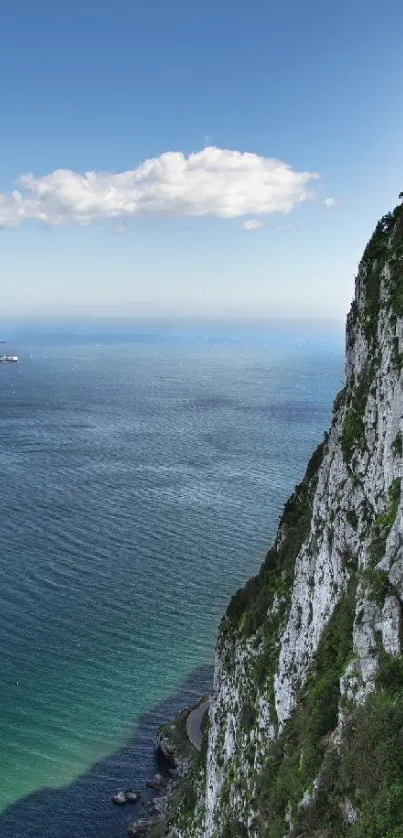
119, 798
131, 796
157, 782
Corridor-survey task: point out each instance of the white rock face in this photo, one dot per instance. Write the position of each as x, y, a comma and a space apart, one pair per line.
348, 499
391, 625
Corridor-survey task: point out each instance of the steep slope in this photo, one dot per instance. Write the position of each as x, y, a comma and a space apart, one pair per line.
306, 719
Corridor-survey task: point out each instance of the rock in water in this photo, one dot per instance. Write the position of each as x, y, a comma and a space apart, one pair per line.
131, 796
119, 798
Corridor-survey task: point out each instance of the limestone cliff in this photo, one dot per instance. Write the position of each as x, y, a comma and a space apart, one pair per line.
306, 720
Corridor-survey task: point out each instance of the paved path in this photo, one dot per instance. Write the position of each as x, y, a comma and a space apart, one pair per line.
194, 723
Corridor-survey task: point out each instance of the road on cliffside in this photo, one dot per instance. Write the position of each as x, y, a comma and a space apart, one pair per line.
194, 723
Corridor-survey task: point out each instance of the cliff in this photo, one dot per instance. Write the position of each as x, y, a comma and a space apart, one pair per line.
306, 719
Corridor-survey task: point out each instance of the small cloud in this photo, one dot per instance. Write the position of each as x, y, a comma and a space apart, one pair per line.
121, 228
330, 202
252, 224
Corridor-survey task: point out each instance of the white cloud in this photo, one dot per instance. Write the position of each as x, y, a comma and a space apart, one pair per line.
252, 224
330, 202
214, 182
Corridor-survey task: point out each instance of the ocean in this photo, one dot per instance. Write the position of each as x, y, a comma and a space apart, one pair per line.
143, 474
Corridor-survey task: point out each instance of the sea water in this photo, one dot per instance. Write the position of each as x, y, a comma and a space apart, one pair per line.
142, 477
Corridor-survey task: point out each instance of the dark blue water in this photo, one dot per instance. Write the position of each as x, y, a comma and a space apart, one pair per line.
142, 481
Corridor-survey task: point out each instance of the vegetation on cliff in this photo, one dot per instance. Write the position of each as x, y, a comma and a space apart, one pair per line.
248, 609
322, 619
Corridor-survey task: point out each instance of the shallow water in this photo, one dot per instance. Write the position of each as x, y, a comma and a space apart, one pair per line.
142, 482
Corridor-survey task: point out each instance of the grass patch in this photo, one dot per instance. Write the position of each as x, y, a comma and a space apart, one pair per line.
377, 585
353, 434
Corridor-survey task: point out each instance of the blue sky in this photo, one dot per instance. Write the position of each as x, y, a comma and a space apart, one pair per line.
102, 86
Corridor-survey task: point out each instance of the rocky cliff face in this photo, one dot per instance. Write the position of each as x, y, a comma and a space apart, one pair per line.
306, 720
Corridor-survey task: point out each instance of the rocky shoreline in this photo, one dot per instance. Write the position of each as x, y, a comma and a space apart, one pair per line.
177, 755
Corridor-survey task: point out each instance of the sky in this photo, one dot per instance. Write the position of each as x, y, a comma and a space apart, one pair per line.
216, 159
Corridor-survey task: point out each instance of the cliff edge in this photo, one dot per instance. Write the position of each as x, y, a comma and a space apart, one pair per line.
306, 719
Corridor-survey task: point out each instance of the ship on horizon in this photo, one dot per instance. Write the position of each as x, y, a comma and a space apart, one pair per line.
9, 359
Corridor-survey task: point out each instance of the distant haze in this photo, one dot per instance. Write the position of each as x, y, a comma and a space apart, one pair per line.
102, 329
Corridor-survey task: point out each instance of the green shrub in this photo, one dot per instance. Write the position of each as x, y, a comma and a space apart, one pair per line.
353, 434
189, 797
387, 518
384, 245
396, 283
368, 770
376, 549
377, 584
383, 523
390, 673
234, 829
397, 445
394, 496
248, 715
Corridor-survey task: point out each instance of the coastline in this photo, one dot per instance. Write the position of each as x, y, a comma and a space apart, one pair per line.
84, 808
180, 747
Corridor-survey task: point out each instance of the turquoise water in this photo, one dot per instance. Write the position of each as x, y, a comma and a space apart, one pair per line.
142, 479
